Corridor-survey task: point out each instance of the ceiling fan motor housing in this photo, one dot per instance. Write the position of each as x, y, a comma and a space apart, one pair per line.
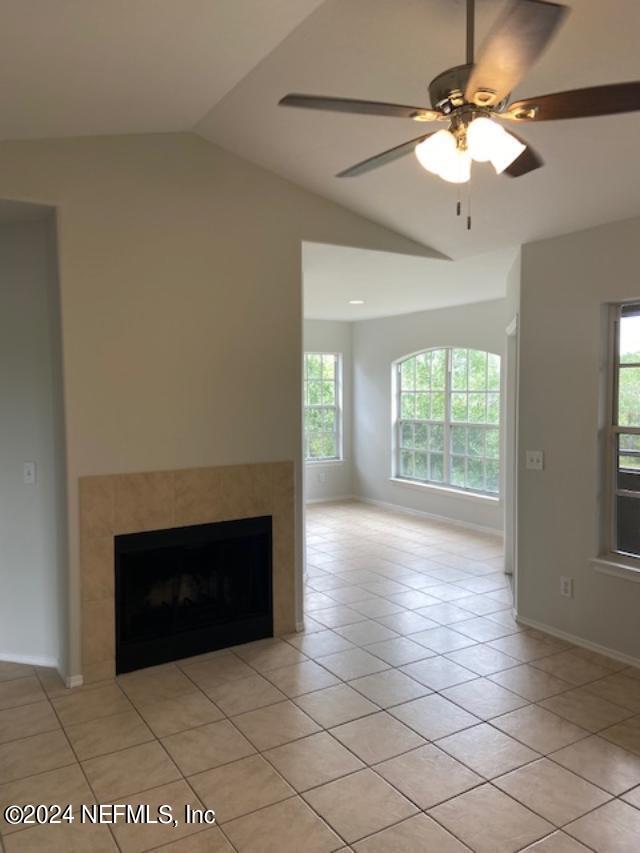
446, 91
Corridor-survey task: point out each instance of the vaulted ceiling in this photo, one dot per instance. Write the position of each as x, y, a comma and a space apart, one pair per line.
72, 67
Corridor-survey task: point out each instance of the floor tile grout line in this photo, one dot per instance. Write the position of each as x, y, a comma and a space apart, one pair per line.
82, 770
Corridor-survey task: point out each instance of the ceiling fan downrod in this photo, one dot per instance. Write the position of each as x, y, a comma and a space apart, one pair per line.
471, 23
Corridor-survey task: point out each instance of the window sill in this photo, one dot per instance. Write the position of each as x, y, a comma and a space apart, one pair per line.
316, 462
448, 491
617, 566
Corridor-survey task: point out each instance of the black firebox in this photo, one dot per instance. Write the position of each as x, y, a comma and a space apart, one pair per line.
190, 590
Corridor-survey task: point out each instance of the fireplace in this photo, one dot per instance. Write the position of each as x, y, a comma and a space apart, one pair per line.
189, 590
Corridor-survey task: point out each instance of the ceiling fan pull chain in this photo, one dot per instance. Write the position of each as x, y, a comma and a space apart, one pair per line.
469, 206
459, 202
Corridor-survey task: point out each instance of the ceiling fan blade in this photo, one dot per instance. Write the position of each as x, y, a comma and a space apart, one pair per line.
382, 159
350, 105
579, 103
527, 162
515, 44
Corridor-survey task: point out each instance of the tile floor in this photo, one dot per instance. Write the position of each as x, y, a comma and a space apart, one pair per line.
413, 714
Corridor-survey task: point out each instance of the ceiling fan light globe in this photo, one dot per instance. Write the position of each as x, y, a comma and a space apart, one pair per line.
436, 151
457, 169
483, 138
508, 149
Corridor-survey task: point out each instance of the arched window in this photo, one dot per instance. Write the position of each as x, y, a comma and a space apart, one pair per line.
447, 419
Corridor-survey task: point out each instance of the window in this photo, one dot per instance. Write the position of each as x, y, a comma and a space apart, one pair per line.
448, 419
322, 406
624, 434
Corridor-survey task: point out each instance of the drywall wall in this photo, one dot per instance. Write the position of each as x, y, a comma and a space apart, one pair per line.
510, 371
376, 345
566, 282
33, 570
180, 280
331, 480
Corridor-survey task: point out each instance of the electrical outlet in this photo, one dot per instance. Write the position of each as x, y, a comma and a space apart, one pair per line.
566, 587
29, 473
534, 460
322, 477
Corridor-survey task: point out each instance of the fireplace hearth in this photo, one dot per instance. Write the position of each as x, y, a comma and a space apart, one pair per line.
189, 590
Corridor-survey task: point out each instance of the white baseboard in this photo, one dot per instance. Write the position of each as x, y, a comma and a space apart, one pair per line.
331, 500
422, 514
74, 681
30, 660
577, 641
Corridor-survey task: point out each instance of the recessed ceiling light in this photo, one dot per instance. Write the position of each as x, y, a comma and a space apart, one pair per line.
356, 302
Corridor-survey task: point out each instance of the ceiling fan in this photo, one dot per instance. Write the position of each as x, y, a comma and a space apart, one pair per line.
469, 97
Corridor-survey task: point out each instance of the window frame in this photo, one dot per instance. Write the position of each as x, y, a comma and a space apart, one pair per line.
337, 407
397, 422
614, 431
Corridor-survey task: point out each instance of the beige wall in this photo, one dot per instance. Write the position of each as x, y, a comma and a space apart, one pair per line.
32, 517
180, 271
565, 284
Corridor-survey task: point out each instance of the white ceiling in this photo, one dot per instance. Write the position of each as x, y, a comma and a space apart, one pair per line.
84, 67
75, 67
393, 284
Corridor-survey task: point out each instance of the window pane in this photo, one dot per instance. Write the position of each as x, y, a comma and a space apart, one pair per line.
406, 463
315, 445
422, 406
459, 370
406, 435
629, 442
314, 393
314, 365
475, 474
438, 368
628, 524
493, 476
408, 374
329, 420
477, 408
493, 382
630, 337
421, 435
328, 445
629, 463
328, 393
492, 447
313, 419
476, 442
457, 471
477, 370
407, 407
437, 467
420, 461
436, 438
493, 408
329, 367
437, 406
458, 439
459, 407
629, 396
422, 371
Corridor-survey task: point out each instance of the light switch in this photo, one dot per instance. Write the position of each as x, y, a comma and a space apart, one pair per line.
534, 460
29, 473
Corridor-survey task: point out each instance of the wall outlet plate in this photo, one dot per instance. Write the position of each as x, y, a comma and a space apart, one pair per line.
29, 473
566, 587
534, 460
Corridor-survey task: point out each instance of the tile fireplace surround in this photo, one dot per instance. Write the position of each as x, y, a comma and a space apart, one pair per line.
130, 503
